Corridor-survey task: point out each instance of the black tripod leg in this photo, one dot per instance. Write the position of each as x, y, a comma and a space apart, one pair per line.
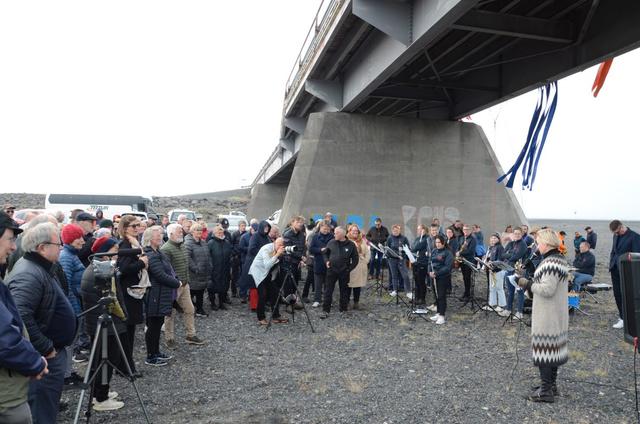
87, 373
133, 380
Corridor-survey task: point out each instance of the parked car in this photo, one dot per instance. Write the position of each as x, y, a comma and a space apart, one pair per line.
275, 217
234, 218
175, 213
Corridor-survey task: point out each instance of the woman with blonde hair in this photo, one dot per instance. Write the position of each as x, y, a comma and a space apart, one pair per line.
358, 276
549, 314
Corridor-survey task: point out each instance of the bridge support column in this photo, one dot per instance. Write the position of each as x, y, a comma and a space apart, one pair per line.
404, 170
265, 200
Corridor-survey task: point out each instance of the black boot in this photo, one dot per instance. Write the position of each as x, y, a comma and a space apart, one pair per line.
221, 301
545, 393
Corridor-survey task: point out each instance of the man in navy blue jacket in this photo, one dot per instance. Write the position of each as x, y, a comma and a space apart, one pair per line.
624, 241
585, 263
19, 360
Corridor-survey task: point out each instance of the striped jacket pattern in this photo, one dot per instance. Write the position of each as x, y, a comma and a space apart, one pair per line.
550, 312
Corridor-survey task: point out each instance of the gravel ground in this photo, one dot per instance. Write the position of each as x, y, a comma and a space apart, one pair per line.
375, 366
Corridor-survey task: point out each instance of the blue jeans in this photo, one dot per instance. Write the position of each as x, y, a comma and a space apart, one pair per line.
44, 394
400, 274
512, 290
375, 264
579, 280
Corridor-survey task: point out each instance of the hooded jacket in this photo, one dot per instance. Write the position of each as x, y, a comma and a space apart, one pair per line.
73, 269
318, 242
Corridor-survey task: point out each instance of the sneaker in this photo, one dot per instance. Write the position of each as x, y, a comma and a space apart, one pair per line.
164, 356
519, 315
201, 313
324, 315
504, 313
498, 309
435, 317
487, 308
80, 357
171, 343
155, 361
107, 405
194, 340
74, 380
409, 296
393, 293
441, 320
619, 324
315, 304
111, 395
432, 308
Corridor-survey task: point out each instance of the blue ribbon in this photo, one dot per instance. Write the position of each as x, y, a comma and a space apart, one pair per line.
530, 154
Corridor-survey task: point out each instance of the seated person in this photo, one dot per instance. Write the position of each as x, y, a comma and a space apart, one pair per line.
586, 263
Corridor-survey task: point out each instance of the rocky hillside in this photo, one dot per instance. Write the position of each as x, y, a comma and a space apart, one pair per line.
208, 204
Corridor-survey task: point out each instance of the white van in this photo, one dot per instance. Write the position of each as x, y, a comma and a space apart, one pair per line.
175, 213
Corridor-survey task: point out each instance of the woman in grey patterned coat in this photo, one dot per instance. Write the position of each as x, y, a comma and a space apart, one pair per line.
199, 266
549, 316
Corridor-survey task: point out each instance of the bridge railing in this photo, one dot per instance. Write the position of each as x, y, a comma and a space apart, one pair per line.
313, 40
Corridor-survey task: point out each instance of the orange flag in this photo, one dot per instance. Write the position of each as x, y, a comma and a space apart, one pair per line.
601, 76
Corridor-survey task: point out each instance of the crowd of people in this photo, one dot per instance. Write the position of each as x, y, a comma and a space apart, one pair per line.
167, 270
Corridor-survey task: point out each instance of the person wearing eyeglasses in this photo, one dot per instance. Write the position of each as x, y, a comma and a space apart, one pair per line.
20, 360
130, 267
47, 315
625, 240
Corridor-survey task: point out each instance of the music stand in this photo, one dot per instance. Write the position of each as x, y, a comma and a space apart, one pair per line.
378, 284
475, 306
512, 315
486, 307
387, 254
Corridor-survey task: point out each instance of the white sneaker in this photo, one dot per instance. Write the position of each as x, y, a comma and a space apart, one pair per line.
111, 395
487, 308
315, 304
498, 309
409, 296
432, 308
108, 405
393, 293
440, 320
504, 313
619, 324
435, 317
519, 315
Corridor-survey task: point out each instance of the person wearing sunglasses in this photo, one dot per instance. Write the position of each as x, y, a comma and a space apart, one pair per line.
130, 267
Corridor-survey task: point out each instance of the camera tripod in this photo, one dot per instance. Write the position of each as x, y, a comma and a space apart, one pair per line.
293, 299
105, 322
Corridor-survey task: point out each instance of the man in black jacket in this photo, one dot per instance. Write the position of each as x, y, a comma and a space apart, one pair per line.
294, 236
341, 257
377, 234
592, 237
46, 313
236, 264
88, 224
468, 252
585, 261
625, 240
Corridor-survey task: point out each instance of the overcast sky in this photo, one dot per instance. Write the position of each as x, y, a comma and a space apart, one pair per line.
164, 98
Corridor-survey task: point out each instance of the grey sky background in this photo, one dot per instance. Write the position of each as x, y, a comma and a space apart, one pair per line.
165, 98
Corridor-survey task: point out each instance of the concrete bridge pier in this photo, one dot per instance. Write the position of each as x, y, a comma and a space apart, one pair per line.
403, 170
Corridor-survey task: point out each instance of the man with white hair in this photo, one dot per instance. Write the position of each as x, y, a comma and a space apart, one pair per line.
341, 257
47, 315
176, 252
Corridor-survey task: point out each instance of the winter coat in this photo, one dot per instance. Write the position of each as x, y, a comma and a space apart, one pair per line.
514, 251
243, 246
297, 239
73, 270
358, 276
235, 245
199, 263
179, 258
452, 245
318, 242
375, 235
18, 358
628, 242
44, 308
421, 248
592, 239
159, 297
263, 263
549, 313
342, 256
257, 240
576, 243
469, 251
495, 252
395, 243
442, 261
130, 267
220, 251
585, 262
85, 252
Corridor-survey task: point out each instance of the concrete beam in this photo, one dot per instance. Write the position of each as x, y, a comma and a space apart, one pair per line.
296, 124
330, 92
389, 16
516, 26
287, 144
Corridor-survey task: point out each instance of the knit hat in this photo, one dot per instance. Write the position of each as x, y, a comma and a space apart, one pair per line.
70, 233
103, 244
496, 235
106, 223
